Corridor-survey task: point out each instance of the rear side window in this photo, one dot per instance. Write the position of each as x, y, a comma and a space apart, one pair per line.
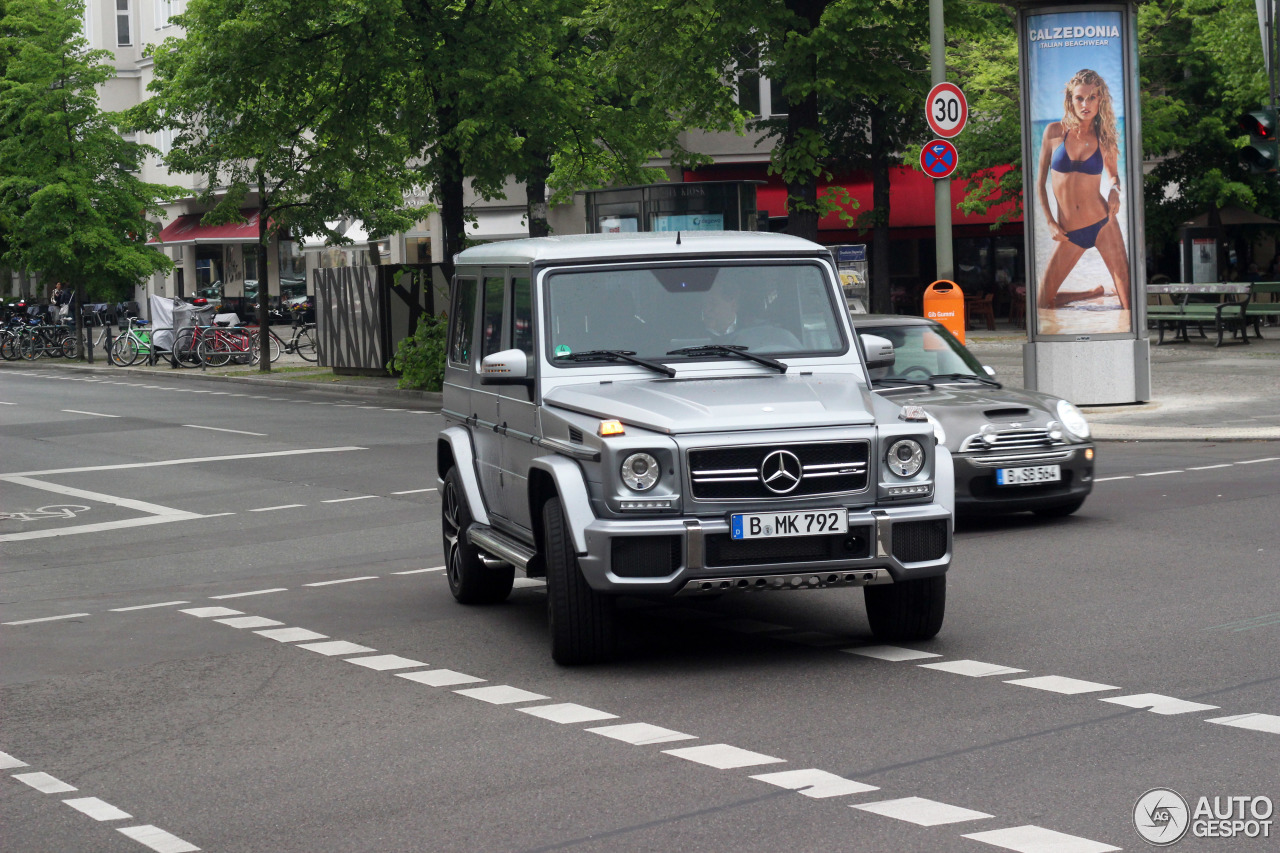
464, 319
491, 322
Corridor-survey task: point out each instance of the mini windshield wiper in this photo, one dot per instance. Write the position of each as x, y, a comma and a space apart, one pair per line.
895, 381
985, 380
617, 355
731, 349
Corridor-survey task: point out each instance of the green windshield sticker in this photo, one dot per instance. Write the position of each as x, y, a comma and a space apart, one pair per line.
563, 349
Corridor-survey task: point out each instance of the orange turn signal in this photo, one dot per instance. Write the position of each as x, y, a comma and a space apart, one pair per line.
610, 428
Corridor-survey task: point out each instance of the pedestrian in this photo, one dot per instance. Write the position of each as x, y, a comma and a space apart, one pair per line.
61, 302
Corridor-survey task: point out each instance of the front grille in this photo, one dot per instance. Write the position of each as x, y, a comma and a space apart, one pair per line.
645, 556
917, 541
1011, 439
733, 473
721, 550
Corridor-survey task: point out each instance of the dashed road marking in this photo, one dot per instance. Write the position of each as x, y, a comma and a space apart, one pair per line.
47, 619
440, 677
1037, 839
568, 712
818, 784
921, 812
44, 783
1254, 722
189, 460
971, 668
641, 734
890, 653
282, 506
290, 635
210, 612
147, 606
344, 500
420, 571
382, 663
1161, 473
157, 839
251, 592
97, 809
1061, 684
1158, 704
8, 762
224, 429
722, 756
343, 580
333, 648
95, 414
249, 622
500, 694
413, 491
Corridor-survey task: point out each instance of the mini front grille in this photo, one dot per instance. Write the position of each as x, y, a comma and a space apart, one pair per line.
1010, 439
918, 541
644, 556
723, 551
735, 473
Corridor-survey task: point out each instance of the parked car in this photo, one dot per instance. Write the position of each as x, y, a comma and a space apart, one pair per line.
1013, 449
609, 426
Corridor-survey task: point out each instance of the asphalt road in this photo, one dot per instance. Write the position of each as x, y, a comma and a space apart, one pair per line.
150, 529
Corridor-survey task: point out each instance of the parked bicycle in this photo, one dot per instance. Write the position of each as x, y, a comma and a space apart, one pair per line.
133, 343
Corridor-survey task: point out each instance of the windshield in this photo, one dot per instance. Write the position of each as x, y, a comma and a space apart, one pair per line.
921, 352
770, 308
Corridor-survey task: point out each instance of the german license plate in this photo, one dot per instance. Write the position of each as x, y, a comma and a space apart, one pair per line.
1028, 476
809, 522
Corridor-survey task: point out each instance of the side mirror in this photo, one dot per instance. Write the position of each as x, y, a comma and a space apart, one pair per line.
879, 351
509, 367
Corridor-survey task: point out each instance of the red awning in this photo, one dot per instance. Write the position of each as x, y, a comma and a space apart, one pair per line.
187, 230
910, 195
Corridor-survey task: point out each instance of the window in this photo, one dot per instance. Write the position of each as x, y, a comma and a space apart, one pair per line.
464, 321
492, 321
251, 261
166, 9
521, 316
124, 31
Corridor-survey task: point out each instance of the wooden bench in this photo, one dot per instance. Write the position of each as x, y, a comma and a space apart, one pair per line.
1260, 309
1225, 316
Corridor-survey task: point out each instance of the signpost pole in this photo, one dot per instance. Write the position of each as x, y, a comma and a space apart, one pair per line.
941, 188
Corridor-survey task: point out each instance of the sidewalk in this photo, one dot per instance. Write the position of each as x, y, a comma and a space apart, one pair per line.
1201, 393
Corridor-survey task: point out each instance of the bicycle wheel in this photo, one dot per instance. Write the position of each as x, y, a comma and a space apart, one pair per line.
186, 348
306, 345
29, 347
70, 346
273, 344
9, 346
215, 352
124, 351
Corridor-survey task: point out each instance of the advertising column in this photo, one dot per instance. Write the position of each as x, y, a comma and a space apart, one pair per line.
1083, 203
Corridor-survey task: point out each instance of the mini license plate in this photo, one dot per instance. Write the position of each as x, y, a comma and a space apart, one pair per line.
809, 522
1028, 476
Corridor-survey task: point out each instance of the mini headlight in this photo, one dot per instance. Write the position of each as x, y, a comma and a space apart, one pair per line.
905, 457
640, 472
1073, 419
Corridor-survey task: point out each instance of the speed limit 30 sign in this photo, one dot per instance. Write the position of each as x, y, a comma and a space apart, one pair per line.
946, 109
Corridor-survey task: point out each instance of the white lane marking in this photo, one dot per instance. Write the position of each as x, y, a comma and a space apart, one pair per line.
413, 491
889, 653
1061, 684
1162, 473
208, 612
147, 606
163, 512
1109, 479
290, 635
751, 626
97, 809
921, 812
157, 839
47, 619
249, 622
971, 668
722, 756
344, 500
1254, 722
641, 734
7, 404
1255, 461
252, 592
336, 647
102, 527
439, 677
282, 506
8, 762
382, 663
190, 460
95, 414
1037, 839
420, 571
500, 694
528, 583
44, 783
568, 712
1157, 704
1209, 467
343, 580
222, 429
818, 784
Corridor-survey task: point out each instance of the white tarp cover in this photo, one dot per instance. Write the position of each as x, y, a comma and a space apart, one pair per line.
169, 314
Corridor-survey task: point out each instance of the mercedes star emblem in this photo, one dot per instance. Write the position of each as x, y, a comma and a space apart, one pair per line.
781, 471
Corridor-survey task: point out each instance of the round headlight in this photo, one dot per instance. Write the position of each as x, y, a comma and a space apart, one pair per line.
1073, 419
640, 472
905, 457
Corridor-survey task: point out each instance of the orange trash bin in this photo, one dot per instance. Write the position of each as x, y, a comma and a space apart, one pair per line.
944, 302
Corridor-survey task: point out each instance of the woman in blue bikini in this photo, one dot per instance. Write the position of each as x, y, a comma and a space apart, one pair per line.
1074, 154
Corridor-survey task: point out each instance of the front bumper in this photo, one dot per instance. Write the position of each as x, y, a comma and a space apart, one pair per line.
695, 555
977, 492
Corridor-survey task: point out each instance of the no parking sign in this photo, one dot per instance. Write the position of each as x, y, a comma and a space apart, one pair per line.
938, 159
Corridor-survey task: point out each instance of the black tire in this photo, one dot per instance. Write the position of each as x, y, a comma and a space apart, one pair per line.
307, 345
470, 581
583, 622
214, 353
186, 348
1061, 510
908, 610
70, 346
124, 351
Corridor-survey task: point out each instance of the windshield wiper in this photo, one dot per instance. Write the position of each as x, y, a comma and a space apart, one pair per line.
985, 380
618, 355
895, 381
730, 349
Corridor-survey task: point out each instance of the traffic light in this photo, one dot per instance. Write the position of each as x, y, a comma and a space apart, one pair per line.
1263, 151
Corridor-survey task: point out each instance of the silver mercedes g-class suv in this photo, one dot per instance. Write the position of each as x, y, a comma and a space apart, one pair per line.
670, 414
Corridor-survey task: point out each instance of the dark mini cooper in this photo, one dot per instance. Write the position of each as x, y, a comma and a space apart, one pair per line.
1013, 449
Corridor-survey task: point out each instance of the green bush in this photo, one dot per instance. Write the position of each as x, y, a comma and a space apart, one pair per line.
419, 358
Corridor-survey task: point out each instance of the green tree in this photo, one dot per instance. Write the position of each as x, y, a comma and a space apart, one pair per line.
71, 204
282, 105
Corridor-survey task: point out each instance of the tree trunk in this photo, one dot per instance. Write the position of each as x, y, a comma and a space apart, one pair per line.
881, 284
535, 187
375, 254
802, 190
264, 281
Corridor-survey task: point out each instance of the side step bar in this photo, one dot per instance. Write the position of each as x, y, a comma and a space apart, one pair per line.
768, 583
498, 548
